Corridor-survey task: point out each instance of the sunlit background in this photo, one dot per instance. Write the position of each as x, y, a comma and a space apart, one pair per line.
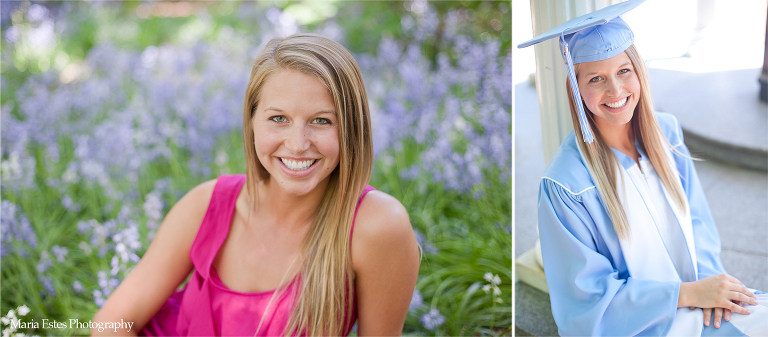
704, 58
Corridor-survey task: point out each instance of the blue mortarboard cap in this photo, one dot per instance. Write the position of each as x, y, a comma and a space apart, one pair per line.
596, 36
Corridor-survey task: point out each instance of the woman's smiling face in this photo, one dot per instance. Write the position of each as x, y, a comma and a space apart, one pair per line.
610, 89
296, 131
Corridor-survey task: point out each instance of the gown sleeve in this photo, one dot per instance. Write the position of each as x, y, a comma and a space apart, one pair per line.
588, 295
705, 236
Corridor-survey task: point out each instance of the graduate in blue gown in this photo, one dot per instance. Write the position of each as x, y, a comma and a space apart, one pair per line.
627, 238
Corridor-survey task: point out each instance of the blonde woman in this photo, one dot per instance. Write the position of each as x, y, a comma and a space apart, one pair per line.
628, 241
272, 252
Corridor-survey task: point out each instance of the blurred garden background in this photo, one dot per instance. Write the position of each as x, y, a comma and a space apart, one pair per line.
111, 111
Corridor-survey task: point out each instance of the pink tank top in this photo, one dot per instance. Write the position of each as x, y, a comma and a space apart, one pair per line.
206, 306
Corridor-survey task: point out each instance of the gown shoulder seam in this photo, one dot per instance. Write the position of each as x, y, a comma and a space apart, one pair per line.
566, 188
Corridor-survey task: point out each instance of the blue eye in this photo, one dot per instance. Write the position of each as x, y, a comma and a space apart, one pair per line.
321, 121
595, 79
278, 119
623, 71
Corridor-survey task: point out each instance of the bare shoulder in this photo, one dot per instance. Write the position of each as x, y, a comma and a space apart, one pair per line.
188, 213
385, 259
199, 196
183, 219
381, 214
182, 222
381, 225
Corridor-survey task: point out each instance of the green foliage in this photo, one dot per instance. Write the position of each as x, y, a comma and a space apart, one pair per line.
468, 231
472, 238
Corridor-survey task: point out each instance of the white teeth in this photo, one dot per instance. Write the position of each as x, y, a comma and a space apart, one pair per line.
618, 104
298, 165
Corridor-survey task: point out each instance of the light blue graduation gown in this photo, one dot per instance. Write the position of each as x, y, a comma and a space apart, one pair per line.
593, 289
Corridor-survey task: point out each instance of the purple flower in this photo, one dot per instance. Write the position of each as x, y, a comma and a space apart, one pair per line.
60, 253
70, 205
126, 213
12, 34
107, 285
462, 141
18, 171
416, 300
419, 237
115, 264
423, 243
36, 13
44, 263
78, 287
84, 226
163, 185
48, 289
153, 207
15, 227
102, 279
99, 232
98, 298
127, 241
432, 320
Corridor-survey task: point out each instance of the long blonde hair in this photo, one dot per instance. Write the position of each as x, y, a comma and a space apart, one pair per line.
603, 164
326, 295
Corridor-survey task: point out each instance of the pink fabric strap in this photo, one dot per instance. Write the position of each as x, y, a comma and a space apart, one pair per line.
196, 315
215, 226
206, 308
367, 189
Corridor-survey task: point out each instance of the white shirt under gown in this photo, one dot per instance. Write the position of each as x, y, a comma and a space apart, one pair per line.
600, 285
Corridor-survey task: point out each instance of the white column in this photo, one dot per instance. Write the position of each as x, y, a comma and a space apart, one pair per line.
550, 69
553, 102
705, 10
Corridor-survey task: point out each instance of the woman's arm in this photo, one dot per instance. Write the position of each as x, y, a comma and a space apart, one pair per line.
385, 257
590, 297
162, 268
711, 273
588, 294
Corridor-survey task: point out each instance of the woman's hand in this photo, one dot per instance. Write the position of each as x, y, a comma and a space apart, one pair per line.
721, 291
720, 313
